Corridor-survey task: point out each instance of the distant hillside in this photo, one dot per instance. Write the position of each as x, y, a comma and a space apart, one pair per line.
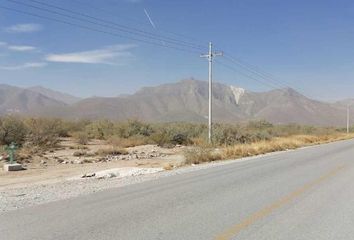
188, 101
59, 96
24, 101
345, 103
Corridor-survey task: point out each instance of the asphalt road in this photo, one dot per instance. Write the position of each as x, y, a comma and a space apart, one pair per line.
302, 194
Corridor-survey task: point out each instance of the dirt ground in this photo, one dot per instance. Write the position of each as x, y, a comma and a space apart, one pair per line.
63, 163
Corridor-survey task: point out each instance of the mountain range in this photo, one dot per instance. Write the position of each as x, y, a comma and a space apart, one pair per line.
186, 100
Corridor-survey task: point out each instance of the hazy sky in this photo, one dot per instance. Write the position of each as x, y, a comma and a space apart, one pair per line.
307, 44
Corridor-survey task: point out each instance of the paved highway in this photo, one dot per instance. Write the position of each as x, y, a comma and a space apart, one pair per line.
302, 194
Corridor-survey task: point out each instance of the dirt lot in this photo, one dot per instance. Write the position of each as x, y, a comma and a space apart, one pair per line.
71, 160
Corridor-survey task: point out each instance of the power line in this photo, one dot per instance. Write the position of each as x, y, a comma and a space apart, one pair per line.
116, 24
269, 80
175, 42
88, 5
96, 30
253, 69
79, 2
248, 76
260, 73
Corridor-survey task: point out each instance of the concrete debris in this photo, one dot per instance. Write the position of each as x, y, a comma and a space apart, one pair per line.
122, 172
59, 160
13, 167
88, 175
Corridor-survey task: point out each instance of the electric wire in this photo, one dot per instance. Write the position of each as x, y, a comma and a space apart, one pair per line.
254, 73
100, 24
254, 70
88, 5
114, 23
265, 83
96, 30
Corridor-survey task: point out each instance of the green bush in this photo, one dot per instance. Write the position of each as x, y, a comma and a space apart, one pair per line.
12, 129
161, 138
132, 128
101, 129
42, 132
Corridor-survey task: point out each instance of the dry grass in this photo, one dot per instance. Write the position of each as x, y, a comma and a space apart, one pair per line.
279, 144
168, 166
200, 141
128, 142
207, 154
201, 154
78, 147
83, 153
81, 138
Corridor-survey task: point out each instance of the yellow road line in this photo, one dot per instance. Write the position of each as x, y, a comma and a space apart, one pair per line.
234, 230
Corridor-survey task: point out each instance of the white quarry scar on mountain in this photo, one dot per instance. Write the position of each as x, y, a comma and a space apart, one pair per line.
237, 92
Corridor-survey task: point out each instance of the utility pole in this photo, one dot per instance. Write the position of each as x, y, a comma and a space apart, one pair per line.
210, 57
348, 118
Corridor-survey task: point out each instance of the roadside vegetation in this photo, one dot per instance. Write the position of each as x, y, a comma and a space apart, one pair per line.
38, 135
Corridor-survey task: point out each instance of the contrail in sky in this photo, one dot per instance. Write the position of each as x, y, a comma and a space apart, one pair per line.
150, 20
152, 23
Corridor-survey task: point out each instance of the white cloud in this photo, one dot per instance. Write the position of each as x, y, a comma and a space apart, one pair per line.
24, 66
24, 28
21, 48
117, 54
17, 48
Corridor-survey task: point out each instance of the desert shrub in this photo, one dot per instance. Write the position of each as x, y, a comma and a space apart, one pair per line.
138, 128
79, 153
128, 142
161, 138
259, 125
177, 133
133, 128
112, 151
180, 138
12, 129
81, 137
190, 130
101, 129
229, 135
76, 126
225, 135
60, 127
42, 132
200, 154
79, 147
260, 136
200, 141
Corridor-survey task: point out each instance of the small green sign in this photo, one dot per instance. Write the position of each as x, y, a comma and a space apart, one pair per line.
11, 150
